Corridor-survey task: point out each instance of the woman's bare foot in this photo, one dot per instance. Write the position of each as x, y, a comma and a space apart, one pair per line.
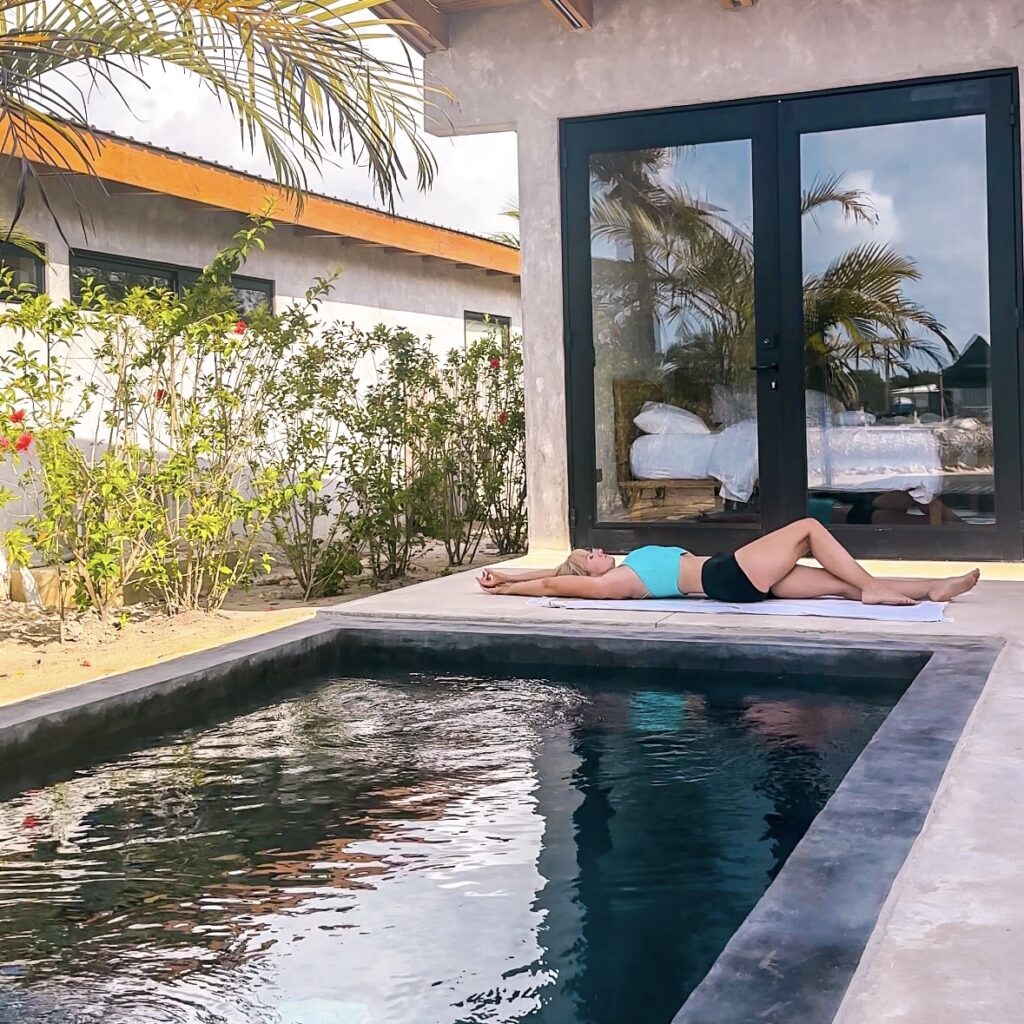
946, 590
881, 594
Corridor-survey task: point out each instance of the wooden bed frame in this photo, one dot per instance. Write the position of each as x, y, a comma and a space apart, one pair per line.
629, 397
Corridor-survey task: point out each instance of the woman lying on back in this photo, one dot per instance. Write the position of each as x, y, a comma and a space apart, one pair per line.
764, 568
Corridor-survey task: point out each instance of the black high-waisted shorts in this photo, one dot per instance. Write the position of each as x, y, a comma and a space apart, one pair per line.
722, 579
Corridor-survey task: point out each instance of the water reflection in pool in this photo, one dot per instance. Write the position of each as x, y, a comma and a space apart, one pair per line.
419, 849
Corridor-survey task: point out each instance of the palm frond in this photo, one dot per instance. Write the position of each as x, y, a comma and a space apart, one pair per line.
828, 190
299, 76
13, 235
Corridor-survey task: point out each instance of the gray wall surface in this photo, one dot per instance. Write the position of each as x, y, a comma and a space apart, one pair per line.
427, 297
516, 68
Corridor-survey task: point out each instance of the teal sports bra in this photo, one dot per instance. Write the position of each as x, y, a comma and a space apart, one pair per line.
658, 569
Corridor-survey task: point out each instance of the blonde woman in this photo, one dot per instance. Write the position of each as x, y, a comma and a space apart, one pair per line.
764, 568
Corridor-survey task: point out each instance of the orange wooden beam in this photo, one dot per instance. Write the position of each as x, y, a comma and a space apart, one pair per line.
186, 178
418, 22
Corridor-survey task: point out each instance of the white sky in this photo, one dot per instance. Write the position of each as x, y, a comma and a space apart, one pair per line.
476, 176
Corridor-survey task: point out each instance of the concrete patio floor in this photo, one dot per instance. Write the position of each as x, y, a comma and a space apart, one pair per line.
946, 949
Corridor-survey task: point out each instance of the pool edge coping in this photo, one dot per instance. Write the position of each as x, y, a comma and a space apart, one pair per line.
24, 722
806, 981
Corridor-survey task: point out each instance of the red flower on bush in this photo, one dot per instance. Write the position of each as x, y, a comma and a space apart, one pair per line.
18, 416
5, 444
503, 417
240, 327
494, 363
160, 394
23, 442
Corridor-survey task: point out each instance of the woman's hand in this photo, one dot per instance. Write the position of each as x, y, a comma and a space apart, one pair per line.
493, 577
492, 582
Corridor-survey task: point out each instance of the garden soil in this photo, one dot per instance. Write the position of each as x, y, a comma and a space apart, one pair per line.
34, 661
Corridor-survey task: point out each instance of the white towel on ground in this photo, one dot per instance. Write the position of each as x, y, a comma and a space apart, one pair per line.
830, 607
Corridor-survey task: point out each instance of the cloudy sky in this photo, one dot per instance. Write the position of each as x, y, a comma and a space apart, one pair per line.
476, 179
926, 182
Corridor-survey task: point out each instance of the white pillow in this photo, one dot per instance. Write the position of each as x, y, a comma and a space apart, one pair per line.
660, 418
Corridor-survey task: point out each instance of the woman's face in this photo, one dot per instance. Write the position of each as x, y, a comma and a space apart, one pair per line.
597, 562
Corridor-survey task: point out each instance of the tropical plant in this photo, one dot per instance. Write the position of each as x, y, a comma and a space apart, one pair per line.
502, 420
456, 509
157, 466
509, 238
385, 457
691, 271
94, 514
312, 399
301, 77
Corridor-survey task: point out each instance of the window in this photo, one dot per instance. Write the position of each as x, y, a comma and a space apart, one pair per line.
482, 325
27, 270
120, 274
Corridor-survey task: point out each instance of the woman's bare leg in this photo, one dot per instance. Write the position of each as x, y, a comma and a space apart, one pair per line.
804, 581
768, 560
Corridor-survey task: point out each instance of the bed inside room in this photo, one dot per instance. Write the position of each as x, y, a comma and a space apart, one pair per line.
678, 463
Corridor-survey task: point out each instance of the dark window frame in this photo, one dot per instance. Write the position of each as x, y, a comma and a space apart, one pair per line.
487, 319
780, 301
38, 266
181, 276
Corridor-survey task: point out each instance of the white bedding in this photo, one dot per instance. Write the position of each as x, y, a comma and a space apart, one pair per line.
671, 456
872, 458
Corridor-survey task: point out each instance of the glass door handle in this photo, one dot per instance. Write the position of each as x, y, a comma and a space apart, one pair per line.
766, 368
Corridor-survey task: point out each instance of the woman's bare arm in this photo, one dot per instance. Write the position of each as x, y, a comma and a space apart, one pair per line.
612, 585
502, 576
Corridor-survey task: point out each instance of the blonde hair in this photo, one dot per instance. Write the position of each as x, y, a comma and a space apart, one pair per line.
574, 565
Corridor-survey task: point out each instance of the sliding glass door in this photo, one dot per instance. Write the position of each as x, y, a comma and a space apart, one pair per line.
795, 307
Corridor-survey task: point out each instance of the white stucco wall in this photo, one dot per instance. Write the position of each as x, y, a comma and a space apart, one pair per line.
515, 68
428, 297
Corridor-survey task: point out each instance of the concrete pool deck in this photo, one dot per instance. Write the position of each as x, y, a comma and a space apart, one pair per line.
946, 946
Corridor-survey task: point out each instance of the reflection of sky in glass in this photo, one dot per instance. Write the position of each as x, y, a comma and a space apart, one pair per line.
927, 183
717, 174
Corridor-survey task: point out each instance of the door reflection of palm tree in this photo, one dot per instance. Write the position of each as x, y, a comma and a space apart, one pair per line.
690, 273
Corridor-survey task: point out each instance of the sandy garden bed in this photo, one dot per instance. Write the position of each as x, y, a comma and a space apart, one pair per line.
33, 661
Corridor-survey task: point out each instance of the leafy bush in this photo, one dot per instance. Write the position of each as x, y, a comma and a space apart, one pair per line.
178, 480
94, 513
313, 401
385, 460
196, 437
503, 440
455, 496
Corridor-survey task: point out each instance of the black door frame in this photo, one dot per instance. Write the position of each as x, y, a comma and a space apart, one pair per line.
774, 126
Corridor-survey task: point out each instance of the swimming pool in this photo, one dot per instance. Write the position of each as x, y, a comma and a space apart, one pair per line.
382, 847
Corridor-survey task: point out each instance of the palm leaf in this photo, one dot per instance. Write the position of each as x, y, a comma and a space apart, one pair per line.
827, 190
300, 78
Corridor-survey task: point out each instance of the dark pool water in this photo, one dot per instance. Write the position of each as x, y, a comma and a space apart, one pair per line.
417, 849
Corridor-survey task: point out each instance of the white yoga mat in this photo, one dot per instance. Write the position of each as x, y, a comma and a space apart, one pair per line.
828, 607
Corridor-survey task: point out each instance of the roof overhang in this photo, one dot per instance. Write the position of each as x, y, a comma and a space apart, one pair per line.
425, 24
137, 169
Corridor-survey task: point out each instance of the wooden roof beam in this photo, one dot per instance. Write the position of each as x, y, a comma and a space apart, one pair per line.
574, 14
418, 22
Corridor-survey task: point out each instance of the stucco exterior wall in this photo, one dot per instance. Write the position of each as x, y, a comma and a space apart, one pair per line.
428, 298
514, 68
